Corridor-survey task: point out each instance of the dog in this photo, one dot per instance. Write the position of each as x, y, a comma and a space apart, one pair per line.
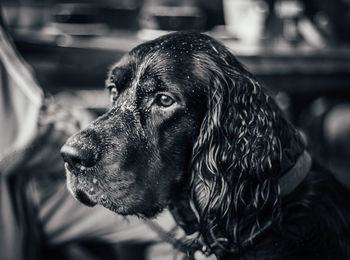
190, 129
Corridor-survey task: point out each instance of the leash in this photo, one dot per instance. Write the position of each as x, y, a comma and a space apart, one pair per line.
187, 246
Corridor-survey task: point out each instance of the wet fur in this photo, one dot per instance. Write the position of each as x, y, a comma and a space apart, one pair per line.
221, 148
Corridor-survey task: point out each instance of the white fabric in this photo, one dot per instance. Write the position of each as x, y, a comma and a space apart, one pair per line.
20, 99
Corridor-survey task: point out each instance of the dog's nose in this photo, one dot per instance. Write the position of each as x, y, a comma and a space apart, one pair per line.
76, 158
80, 153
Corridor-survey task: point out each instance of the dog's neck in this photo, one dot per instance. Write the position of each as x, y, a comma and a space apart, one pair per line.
183, 215
291, 178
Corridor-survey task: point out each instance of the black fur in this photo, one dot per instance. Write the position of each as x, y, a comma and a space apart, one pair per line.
221, 146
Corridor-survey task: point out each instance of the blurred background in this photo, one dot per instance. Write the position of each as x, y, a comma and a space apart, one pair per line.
298, 49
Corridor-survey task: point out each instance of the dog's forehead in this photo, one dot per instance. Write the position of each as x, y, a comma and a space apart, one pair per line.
127, 74
162, 64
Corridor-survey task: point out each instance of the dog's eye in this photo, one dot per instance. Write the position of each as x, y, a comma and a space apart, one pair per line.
113, 92
164, 100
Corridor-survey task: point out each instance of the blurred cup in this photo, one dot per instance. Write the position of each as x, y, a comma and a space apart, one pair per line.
245, 19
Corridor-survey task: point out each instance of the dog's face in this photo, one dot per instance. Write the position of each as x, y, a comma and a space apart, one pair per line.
132, 158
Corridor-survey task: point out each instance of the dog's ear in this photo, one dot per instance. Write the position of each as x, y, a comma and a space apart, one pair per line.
237, 157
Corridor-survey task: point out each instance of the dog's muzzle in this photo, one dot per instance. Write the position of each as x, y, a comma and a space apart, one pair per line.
81, 154
81, 151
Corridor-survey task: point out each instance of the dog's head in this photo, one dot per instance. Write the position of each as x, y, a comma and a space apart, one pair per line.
133, 157
185, 117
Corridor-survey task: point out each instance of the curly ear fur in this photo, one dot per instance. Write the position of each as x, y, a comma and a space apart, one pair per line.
237, 158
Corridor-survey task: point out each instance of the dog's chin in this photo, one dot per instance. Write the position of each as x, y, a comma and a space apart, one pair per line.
79, 194
80, 188
82, 197
142, 211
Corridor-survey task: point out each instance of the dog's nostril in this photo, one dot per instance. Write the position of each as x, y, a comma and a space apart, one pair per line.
75, 162
78, 159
